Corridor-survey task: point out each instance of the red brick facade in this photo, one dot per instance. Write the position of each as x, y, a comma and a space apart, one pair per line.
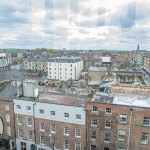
132, 128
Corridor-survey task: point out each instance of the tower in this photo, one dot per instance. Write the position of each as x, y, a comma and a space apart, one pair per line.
138, 47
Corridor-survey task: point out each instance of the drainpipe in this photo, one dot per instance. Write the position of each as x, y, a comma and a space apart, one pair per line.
130, 123
34, 123
14, 125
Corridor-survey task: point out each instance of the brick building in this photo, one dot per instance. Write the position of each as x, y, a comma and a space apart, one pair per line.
121, 57
54, 120
147, 62
7, 134
118, 122
7, 124
128, 88
4, 67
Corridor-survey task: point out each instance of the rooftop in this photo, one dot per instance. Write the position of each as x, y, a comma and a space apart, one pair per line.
70, 59
2, 64
62, 99
103, 69
8, 92
122, 99
132, 100
12, 75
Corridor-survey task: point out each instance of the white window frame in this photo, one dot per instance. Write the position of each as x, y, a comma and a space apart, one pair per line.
42, 126
18, 107
120, 147
29, 122
108, 112
95, 109
146, 121
18, 120
41, 111
20, 132
66, 145
106, 137
107, 122
146, 136
53, 128
95, 147
42, 139
78, 132
121, 117
23, 146
29, 110
94, 134
77, 145
66, 115
30, 135
66, 130
121, 135
7, 107
78, 116
94, 122
52, 113
7, 117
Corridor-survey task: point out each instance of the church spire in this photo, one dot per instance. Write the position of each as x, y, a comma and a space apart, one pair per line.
138, 47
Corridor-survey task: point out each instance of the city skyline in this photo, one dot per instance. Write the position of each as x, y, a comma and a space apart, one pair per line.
84, 24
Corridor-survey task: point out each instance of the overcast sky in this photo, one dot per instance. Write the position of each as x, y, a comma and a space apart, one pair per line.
75, 24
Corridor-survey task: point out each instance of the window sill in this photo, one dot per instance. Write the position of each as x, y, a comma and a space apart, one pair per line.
42, 130
66, 134
93, 125
123, 122
107, 141
144, 143
121, 139
78, 136
93, 139
107, 127
109, 114
30, 139
53, 132
53, 116
94, 113
146, 125
29, 125
78, 120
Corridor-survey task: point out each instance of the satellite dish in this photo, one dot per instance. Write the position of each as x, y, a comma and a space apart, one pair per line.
33, 147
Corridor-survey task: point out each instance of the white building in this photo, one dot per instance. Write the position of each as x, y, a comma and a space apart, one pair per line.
58, 117
65, 68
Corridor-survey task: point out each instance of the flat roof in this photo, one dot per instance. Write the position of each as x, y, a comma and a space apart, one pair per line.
2, 64
62, 99
132, 100
122, 99
70, 59
98, 69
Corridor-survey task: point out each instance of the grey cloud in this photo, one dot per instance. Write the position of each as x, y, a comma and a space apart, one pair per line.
87, 23
83, 31
101, 10
87, 12
8, 14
